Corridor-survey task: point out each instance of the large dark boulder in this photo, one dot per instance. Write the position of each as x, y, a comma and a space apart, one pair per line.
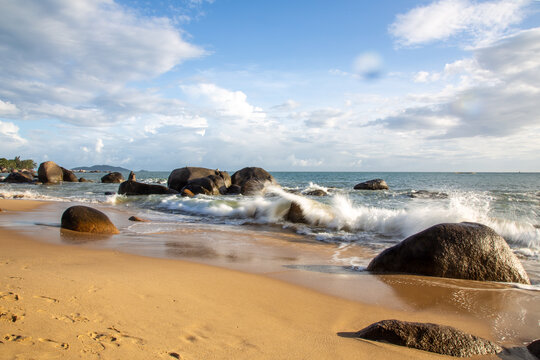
179, 178
137, 188
19, 178
462, 251
252, 180
86, 219
114, 178
434, 338
50, 173
295, 214
375, 184
534, 348
68, 175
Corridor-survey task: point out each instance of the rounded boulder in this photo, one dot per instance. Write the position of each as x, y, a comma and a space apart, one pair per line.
454, 250
50, 173
86, 219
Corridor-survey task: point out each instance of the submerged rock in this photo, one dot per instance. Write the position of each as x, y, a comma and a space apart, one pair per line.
316, 192
434, 338
424, 194
113, 178
86, 219
463, 251
375, 184
50, 173
137, 219
252, 180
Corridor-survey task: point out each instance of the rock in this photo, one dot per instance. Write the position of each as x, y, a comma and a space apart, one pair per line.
19, 178
86, 219
462, 251
234, 190
424, 194
534, 348
179, 178
138, 219
84, 180
137, 188
131, 176
114, 177
187, 192
434, 338
376, 184
316, 192
295, 214
108, 193
252, 180
68, 175
50, 173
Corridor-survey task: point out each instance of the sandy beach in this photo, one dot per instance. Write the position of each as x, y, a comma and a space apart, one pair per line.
61, 301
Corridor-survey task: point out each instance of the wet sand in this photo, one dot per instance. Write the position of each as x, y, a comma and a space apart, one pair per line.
61, 301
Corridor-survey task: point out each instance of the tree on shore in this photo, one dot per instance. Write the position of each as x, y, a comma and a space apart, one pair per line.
17, 164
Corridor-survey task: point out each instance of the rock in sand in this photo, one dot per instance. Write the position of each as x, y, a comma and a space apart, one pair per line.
462, 251
86, 219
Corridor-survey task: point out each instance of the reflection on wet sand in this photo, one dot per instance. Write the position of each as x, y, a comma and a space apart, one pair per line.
76, 238
512, 313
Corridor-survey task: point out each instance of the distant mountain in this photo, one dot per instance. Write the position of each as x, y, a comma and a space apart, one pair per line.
101, 168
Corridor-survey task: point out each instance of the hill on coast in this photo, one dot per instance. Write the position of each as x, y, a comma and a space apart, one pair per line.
101, 168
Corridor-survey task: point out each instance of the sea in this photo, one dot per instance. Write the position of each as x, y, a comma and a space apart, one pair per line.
507, 202
344, 230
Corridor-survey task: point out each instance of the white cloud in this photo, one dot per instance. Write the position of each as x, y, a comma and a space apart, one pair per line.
304, 162
497, 95
99, 146
225, 102
480, 22
7, 108
73, 60
9, 132
426, 77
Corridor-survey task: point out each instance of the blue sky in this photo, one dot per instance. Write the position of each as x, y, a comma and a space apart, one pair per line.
447, 85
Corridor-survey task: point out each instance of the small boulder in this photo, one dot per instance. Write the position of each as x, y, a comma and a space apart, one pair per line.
68, 175
462, 251
295, 214
86, 219
316, 192
376, 184
19, 178
534, 348
114, 178
82, 180
234, 190
252, 180
434, 338
50, 173
187, 192
137, 219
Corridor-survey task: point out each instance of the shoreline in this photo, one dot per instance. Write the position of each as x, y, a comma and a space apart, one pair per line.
191, 308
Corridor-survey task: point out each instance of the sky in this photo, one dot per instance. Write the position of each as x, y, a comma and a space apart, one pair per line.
446, 85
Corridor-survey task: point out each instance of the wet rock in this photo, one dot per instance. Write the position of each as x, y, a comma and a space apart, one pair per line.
534, 348
86, 219
132, 187
375, 184
50, 173
295, 214
463, 251
179, 178
316, 192
234, 190
131, 176
252, 180
434, 338
137, 219
68, 175
82, 180
114, 178
109, 193
19, 178
187, 192
424, 194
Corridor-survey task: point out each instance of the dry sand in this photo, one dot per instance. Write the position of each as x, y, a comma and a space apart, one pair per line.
60, 301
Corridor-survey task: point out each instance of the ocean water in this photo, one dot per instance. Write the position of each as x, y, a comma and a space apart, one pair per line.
507, 202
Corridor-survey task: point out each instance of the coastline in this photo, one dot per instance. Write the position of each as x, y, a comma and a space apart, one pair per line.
74, 302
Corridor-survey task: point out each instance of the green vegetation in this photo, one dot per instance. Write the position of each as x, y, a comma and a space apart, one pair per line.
17, 163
